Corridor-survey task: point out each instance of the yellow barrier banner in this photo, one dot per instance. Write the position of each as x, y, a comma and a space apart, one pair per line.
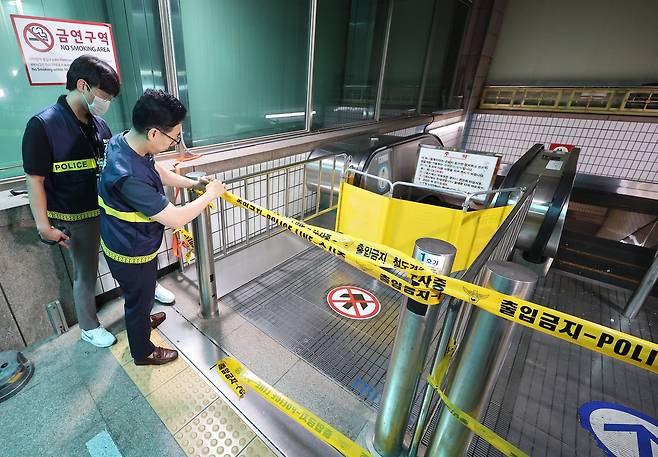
393, 268
237, 376
399, 223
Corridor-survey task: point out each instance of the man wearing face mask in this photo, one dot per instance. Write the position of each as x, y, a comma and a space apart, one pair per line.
134, 212
62, 146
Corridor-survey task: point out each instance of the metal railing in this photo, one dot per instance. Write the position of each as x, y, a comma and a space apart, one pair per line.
284, 189
638, 101
468, 197
500, 247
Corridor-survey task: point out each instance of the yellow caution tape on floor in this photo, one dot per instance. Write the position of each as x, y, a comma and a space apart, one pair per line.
238, 377
436, 378
393, 268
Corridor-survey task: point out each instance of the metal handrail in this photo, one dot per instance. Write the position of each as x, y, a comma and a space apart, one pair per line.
467, 196
290, 165
499, 247
641, 101
368, 175
641, 293
244, 180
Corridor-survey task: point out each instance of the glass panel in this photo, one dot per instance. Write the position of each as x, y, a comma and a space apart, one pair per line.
349, 38
447, 34
407, 47
140, 67
245, 66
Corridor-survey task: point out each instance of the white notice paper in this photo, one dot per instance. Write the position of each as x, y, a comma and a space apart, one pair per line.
452, 170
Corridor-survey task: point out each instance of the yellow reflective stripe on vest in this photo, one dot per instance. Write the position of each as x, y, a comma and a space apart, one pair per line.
128, 216
126, 258
73, 217
74, 165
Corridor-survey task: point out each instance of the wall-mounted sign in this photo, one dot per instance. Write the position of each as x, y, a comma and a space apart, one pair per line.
561, 147
453, 170
48, 46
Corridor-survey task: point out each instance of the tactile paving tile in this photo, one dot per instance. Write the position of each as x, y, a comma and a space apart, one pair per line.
120, 349
149, 377
257, 449
217, 431
201, 422
178, 400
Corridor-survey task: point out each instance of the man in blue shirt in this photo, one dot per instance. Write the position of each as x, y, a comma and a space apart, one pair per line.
62, 146
134, 212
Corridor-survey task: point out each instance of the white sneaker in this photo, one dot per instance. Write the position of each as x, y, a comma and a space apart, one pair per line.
164, 296
98, 336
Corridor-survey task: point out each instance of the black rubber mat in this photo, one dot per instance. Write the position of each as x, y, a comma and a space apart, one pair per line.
289, 304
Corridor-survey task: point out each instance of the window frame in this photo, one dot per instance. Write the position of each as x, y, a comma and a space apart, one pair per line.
181, 150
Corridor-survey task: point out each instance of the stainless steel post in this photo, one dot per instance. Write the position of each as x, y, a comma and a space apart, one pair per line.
479, 358
414, 333
449, 319
205, 262
643, 290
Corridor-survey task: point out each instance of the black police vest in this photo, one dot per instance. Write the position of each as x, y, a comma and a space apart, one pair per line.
127, 236
71, 184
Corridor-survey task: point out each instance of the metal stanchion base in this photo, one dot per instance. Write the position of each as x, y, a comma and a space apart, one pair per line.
370, 441
216, 312
15, 373
540, 268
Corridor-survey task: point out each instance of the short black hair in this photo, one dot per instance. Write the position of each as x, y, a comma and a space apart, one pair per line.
157, 109
96, 72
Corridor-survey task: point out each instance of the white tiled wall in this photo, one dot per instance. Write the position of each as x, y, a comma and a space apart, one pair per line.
618, 149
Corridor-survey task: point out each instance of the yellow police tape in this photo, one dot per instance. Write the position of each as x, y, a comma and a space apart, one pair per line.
436, 378
186, 243
238, 378
393, 267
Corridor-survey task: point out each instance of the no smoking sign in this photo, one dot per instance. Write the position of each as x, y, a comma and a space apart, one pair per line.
353, 302
38, 37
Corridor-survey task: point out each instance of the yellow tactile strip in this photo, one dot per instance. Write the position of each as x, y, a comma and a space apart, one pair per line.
202, 423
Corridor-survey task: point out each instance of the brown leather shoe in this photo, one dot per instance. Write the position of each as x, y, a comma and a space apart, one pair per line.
157, 319
159, 356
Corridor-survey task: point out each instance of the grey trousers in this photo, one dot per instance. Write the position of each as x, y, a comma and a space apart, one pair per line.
83, 252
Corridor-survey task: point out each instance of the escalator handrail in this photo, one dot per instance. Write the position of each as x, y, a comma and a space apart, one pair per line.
515, 171
365, 161
560, 198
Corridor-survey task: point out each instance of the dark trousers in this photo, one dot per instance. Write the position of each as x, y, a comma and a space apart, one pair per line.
138, 284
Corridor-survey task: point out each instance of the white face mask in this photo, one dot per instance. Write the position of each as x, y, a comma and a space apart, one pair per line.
98, 106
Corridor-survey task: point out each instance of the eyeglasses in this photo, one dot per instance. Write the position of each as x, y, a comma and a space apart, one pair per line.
174, 141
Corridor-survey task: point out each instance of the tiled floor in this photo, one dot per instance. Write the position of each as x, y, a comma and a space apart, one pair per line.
201, 421
77, 392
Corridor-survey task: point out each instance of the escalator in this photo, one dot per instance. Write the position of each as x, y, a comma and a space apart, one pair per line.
611, 231
555, 173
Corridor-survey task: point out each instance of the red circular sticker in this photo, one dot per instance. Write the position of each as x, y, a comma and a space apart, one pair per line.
353, 302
